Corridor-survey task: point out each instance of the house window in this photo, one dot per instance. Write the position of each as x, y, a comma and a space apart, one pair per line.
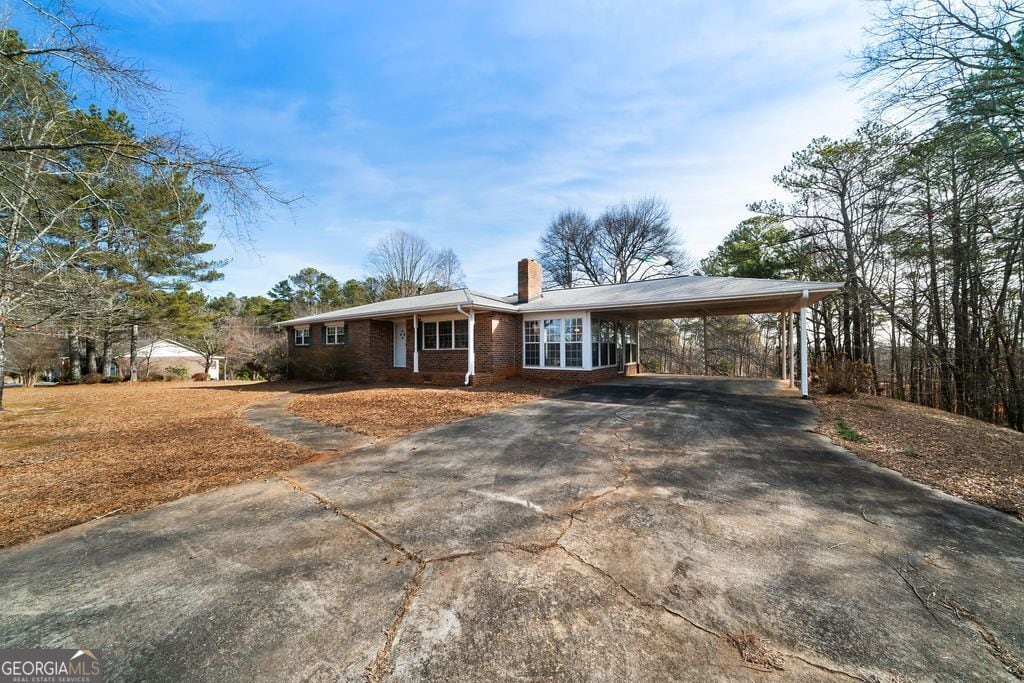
531, 339
553, 343
574, 342
302, 336
444, 334
630, 347
429, 335
603, 343
461, 334
334, 334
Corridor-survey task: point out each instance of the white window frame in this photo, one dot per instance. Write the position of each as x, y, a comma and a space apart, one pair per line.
437, 322
561, 316
305, 336
339, 334
596, 362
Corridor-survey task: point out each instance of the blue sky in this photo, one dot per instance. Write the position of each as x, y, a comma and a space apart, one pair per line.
472, 124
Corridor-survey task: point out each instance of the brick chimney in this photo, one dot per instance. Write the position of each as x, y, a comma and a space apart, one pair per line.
530, 277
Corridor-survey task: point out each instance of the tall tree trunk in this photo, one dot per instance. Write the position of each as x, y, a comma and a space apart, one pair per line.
91, 360
3, 361
107, 353
74, 357
133, 355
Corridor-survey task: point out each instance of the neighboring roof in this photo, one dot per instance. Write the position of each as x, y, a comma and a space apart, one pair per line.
691, 292
150, 349
411, 304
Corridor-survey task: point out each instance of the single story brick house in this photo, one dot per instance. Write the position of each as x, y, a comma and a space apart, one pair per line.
582, 334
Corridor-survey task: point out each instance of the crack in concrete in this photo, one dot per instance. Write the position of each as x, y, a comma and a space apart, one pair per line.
1002, 654
649, 604
338, 510
381, 664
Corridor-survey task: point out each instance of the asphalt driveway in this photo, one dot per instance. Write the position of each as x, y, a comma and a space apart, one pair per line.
650, 529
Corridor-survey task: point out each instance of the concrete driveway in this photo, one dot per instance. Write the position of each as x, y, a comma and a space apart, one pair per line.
650, 529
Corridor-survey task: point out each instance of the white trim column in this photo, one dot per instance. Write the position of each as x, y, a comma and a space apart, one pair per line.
637, 337
416, 343
804, 311
471, 355
783, 346
790, 333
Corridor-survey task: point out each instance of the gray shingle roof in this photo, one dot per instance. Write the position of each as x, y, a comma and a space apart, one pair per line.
411, 304
670, 290
665, 291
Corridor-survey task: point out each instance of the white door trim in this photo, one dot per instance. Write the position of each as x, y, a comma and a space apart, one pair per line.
399, 344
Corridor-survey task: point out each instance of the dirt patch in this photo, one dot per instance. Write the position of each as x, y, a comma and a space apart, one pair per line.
70, 454
959, 455
755, 650
391, 412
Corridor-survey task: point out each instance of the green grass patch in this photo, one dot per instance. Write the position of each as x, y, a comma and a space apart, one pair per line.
849, 433
909, 453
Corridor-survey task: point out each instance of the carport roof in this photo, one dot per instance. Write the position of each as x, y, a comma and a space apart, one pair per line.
682, 296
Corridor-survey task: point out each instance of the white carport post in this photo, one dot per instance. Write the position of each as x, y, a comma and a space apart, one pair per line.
784, 345
415, 343
803, 343
792, 349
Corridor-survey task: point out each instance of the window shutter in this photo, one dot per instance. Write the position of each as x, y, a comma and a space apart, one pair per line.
344, 333
323, 334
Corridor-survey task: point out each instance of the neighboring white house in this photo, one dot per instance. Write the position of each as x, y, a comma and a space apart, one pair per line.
162, 354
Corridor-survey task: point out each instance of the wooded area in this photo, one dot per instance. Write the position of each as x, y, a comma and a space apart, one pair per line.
921, 219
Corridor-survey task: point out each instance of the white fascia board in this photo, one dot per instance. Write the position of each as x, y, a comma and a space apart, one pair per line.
685, 302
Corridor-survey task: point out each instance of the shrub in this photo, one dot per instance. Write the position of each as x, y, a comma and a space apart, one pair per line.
175, 372
200, 377
334, 363
92, 378
154, 377
840, 375
113, 379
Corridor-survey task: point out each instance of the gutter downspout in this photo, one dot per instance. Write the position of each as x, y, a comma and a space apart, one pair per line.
471, 356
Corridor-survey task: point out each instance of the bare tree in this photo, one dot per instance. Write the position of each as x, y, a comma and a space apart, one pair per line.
448, 272
568, 250
405, 265
31, 354
631, 241
932, 58
636, 241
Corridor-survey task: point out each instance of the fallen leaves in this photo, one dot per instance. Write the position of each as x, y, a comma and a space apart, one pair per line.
73, 453
962, 456
391, 412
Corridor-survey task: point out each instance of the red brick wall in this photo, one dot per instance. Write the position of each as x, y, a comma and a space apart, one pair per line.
498, 344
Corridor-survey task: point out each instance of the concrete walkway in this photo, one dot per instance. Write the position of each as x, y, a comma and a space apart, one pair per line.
273, 417
656, 528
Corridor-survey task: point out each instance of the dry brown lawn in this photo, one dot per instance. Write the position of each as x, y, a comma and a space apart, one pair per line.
391, 412
69, 454
959, 455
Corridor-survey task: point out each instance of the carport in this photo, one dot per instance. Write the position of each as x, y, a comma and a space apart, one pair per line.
698, 297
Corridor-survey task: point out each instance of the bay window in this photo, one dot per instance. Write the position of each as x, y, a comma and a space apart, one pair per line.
630, 345
531, 343
603, 344
553, 343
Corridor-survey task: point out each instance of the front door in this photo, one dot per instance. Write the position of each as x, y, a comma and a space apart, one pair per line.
399, 344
